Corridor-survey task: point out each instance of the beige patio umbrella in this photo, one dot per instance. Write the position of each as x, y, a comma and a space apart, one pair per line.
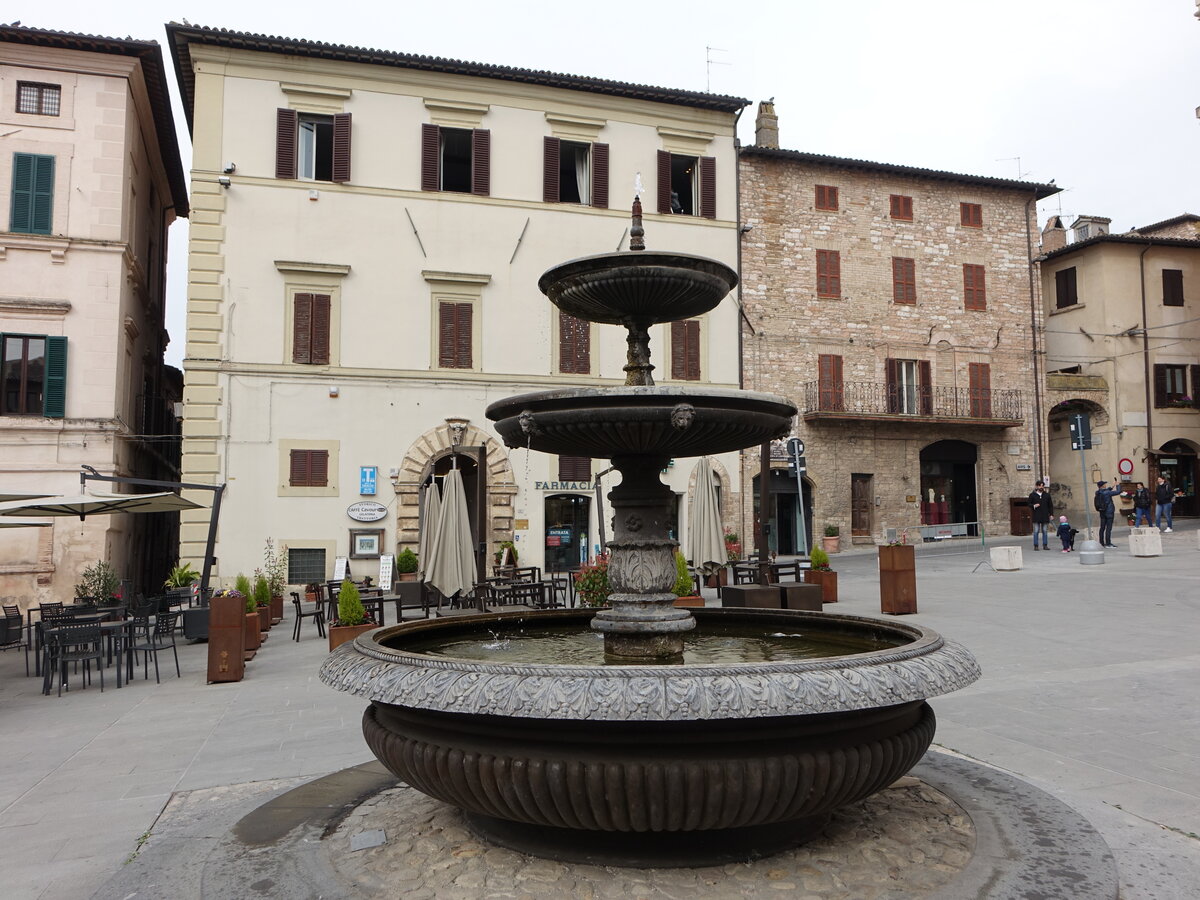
9, 496
706, 539
84, 505
18, 523
452, 568
429, 527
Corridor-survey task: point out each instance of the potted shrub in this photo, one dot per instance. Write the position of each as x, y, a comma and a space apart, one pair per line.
275, 570
251, 635
591, 583
99, 585
181, 577
406, 565
351, 617
262, 603
829, 543
820, 573
685, 585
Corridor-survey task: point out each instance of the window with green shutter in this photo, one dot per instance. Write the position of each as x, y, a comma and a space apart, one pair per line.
32, 193
33, 375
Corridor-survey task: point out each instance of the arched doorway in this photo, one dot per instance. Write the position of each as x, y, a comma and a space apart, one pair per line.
948, 490
468, 468
788, 536
1176, 462
567, 518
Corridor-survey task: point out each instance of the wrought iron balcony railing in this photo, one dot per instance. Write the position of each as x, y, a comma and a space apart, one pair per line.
865, 399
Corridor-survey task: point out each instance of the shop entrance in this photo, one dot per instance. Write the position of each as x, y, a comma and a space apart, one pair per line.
786, 536
567, 537
1176, 462
948, 485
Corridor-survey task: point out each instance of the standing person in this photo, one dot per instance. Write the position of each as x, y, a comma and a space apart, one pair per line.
1064, 534
1165, 498
1141, 505
1108, 511
1042, 508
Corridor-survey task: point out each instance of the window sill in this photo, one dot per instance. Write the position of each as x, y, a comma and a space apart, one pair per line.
1058, 311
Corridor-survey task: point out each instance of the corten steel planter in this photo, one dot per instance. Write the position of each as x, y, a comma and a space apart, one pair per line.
264, 621
339, 634
251, 636
650, 764
897, 579
276, 610
226, 639
827, 581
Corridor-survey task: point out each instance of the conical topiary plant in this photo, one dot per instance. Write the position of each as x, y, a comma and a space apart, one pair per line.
350, 608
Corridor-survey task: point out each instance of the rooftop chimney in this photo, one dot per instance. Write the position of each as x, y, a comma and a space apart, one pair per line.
766, 126
1054, 235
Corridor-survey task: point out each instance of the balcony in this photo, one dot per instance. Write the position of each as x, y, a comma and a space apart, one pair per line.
865, 401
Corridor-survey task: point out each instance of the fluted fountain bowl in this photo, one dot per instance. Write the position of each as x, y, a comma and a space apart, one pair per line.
687, 764
659, 421
638, 285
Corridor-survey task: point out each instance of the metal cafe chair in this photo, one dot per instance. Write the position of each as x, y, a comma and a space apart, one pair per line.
68, 644
160, 638
317, 615
12, 633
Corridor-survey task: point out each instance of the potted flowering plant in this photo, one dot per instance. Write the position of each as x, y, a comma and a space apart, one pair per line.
820, 573
591, 582
275, 571
830, 542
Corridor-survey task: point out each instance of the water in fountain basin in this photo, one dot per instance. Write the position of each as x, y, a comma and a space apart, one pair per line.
711, 644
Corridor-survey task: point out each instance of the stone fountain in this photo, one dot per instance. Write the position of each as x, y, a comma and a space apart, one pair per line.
637, 754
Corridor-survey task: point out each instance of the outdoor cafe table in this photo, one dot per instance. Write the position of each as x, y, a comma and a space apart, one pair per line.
111, 630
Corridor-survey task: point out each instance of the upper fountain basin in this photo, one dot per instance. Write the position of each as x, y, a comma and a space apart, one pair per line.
639, 286
662, 421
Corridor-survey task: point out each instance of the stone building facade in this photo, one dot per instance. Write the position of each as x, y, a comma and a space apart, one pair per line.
896, 307
368, 236
90, 180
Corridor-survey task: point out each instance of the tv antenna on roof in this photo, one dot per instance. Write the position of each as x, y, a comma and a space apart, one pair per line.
1017, 160
709, 62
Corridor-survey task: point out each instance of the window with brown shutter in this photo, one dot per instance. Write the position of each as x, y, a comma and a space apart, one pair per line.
1066, 288
574, 172
663, 185
826, 197
901, 207
971, 214
829, 273
287, 127
312, 146
308, 468
1195, 395
925, 387
600, 176
974, 287
1170, 384
340, 168
1172, 287
456, 160
830, 390
574, 468
574, 345
908, 387
980, 381
708, 186
454, 335
685, 350
687, 185
904, 280
311, 329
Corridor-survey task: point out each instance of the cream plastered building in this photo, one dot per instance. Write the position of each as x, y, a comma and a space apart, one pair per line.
1122, 332
368, 233
91, 177
897, 307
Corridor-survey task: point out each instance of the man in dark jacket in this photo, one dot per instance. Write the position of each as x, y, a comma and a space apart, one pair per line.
1165, 498
1042, 508
1141, 505
1108, 511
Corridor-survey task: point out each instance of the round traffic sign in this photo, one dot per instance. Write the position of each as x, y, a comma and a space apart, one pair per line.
1125, 466
795, 446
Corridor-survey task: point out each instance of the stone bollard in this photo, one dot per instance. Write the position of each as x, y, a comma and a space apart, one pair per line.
1145, 542
1091, 554
1006, 559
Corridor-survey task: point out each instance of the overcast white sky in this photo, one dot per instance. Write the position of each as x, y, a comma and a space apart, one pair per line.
1100, 95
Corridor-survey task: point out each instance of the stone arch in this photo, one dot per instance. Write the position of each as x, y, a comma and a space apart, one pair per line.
434, 445
1067, 406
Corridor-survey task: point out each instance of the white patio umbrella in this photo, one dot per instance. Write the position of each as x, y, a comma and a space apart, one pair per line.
84, 505
9, 496
16, 523
706, 539
429, 528
452, 568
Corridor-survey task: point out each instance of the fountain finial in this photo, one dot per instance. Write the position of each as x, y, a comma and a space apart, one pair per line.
636, 232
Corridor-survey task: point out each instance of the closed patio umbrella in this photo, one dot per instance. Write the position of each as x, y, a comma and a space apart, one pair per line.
706, 539
84, 505
452, 569
429, 527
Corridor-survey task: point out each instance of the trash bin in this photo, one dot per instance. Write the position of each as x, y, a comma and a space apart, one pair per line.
1020, 516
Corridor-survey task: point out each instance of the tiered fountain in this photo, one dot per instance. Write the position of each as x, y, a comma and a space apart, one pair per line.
678, 739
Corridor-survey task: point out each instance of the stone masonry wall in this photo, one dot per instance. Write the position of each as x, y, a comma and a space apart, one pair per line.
788, 326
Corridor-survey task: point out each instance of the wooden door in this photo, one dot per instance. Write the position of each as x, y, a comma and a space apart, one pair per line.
861, 500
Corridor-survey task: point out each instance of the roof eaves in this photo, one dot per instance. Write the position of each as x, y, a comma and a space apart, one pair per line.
837, 162
1137, 239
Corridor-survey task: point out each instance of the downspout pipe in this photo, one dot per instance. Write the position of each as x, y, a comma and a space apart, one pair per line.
1146, 350
1033, 331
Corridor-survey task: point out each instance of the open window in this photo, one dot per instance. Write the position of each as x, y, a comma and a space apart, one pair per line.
909, 388
456, 159
575, 172
687, 185
312, 147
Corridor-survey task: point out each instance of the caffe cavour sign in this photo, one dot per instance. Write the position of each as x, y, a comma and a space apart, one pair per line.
366, 511
562, 485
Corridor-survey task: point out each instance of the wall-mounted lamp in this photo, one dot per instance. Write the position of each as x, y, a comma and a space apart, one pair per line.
223, 181
230, 168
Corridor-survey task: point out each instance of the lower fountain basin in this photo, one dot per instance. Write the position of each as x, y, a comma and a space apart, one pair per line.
650, 764
667, 421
